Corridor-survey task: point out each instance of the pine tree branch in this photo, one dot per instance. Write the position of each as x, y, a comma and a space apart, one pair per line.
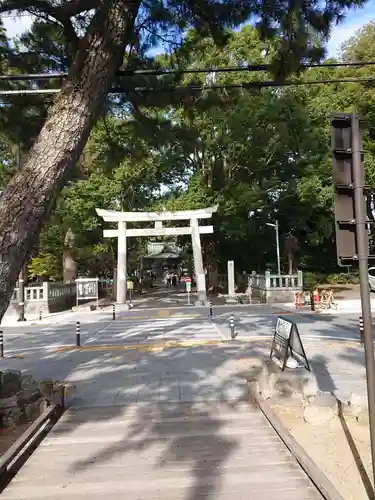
75, 7
61, 14
71, 37
67, 10
14, 5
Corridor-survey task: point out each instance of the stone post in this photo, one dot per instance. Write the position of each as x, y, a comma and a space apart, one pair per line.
231, 283
45, 291
267, 285
300, 280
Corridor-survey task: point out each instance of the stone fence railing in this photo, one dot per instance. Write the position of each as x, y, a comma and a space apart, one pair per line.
47, 298
274, 287
266, 287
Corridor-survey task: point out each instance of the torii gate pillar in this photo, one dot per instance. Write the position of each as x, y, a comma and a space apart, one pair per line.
121, 277
198, 261
122, 232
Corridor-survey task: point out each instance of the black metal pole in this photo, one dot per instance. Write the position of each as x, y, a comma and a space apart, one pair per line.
231, 325
1, 344
78, 334
113, 311
210, 305
312, 301
361, 229
40, 315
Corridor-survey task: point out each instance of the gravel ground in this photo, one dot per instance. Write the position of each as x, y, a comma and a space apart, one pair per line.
341, 450
10, 435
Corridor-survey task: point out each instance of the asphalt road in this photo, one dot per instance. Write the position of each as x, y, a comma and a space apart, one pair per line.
178, 323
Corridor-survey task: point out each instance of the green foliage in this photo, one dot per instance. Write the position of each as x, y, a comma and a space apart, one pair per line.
310, 280
298, 30
265, 153
46, 267
343, 279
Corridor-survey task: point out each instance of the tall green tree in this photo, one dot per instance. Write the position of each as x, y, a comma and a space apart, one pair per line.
261, 153
267, 153
245, 150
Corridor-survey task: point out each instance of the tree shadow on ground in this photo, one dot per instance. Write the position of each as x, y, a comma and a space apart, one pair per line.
148, 397
255, 322
144, 390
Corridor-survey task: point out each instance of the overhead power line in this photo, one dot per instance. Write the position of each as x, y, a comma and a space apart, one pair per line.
198, 88
29, 91
251, 68
243, 85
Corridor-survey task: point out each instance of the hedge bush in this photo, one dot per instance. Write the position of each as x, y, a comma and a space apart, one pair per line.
312, 279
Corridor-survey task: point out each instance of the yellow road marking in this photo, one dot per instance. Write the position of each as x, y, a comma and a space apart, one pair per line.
163, 312
177, 315
160, 346
161, 315
141, 347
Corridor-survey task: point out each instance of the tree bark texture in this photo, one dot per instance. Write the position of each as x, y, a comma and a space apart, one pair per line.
69, 265
212, 265
31, 194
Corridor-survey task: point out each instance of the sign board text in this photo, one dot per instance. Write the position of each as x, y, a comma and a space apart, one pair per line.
287, 342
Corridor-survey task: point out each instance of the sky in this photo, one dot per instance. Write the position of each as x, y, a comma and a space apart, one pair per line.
355, 20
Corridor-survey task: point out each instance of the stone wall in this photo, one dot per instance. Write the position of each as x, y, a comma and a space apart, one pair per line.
48, 298
279, 296
22, 398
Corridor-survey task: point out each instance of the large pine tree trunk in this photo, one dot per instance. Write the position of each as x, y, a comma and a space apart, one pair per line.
32, 192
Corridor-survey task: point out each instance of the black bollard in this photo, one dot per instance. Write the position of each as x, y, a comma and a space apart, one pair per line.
361, 329
210, 305
40, 315
231, 325
1, 344
78, 334
113, 311
312, 301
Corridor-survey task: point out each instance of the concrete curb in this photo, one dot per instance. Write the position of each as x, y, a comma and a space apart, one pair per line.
47, 320
322, 483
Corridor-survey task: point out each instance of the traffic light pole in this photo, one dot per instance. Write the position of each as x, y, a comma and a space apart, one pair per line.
361, 229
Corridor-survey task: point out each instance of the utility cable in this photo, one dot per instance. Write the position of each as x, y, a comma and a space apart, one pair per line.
199, 88
169, 71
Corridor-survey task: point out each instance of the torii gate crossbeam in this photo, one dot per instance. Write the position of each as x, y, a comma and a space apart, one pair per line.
121, 218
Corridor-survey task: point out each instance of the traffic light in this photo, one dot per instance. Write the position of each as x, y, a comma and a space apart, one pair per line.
344, 182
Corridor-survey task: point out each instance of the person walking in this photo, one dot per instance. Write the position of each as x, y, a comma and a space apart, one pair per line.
168, 277
174, 279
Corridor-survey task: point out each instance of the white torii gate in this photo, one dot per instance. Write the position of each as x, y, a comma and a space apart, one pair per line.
121, 233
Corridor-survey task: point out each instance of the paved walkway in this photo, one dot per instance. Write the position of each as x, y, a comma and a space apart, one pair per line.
346, 306
170, 423
163, 451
